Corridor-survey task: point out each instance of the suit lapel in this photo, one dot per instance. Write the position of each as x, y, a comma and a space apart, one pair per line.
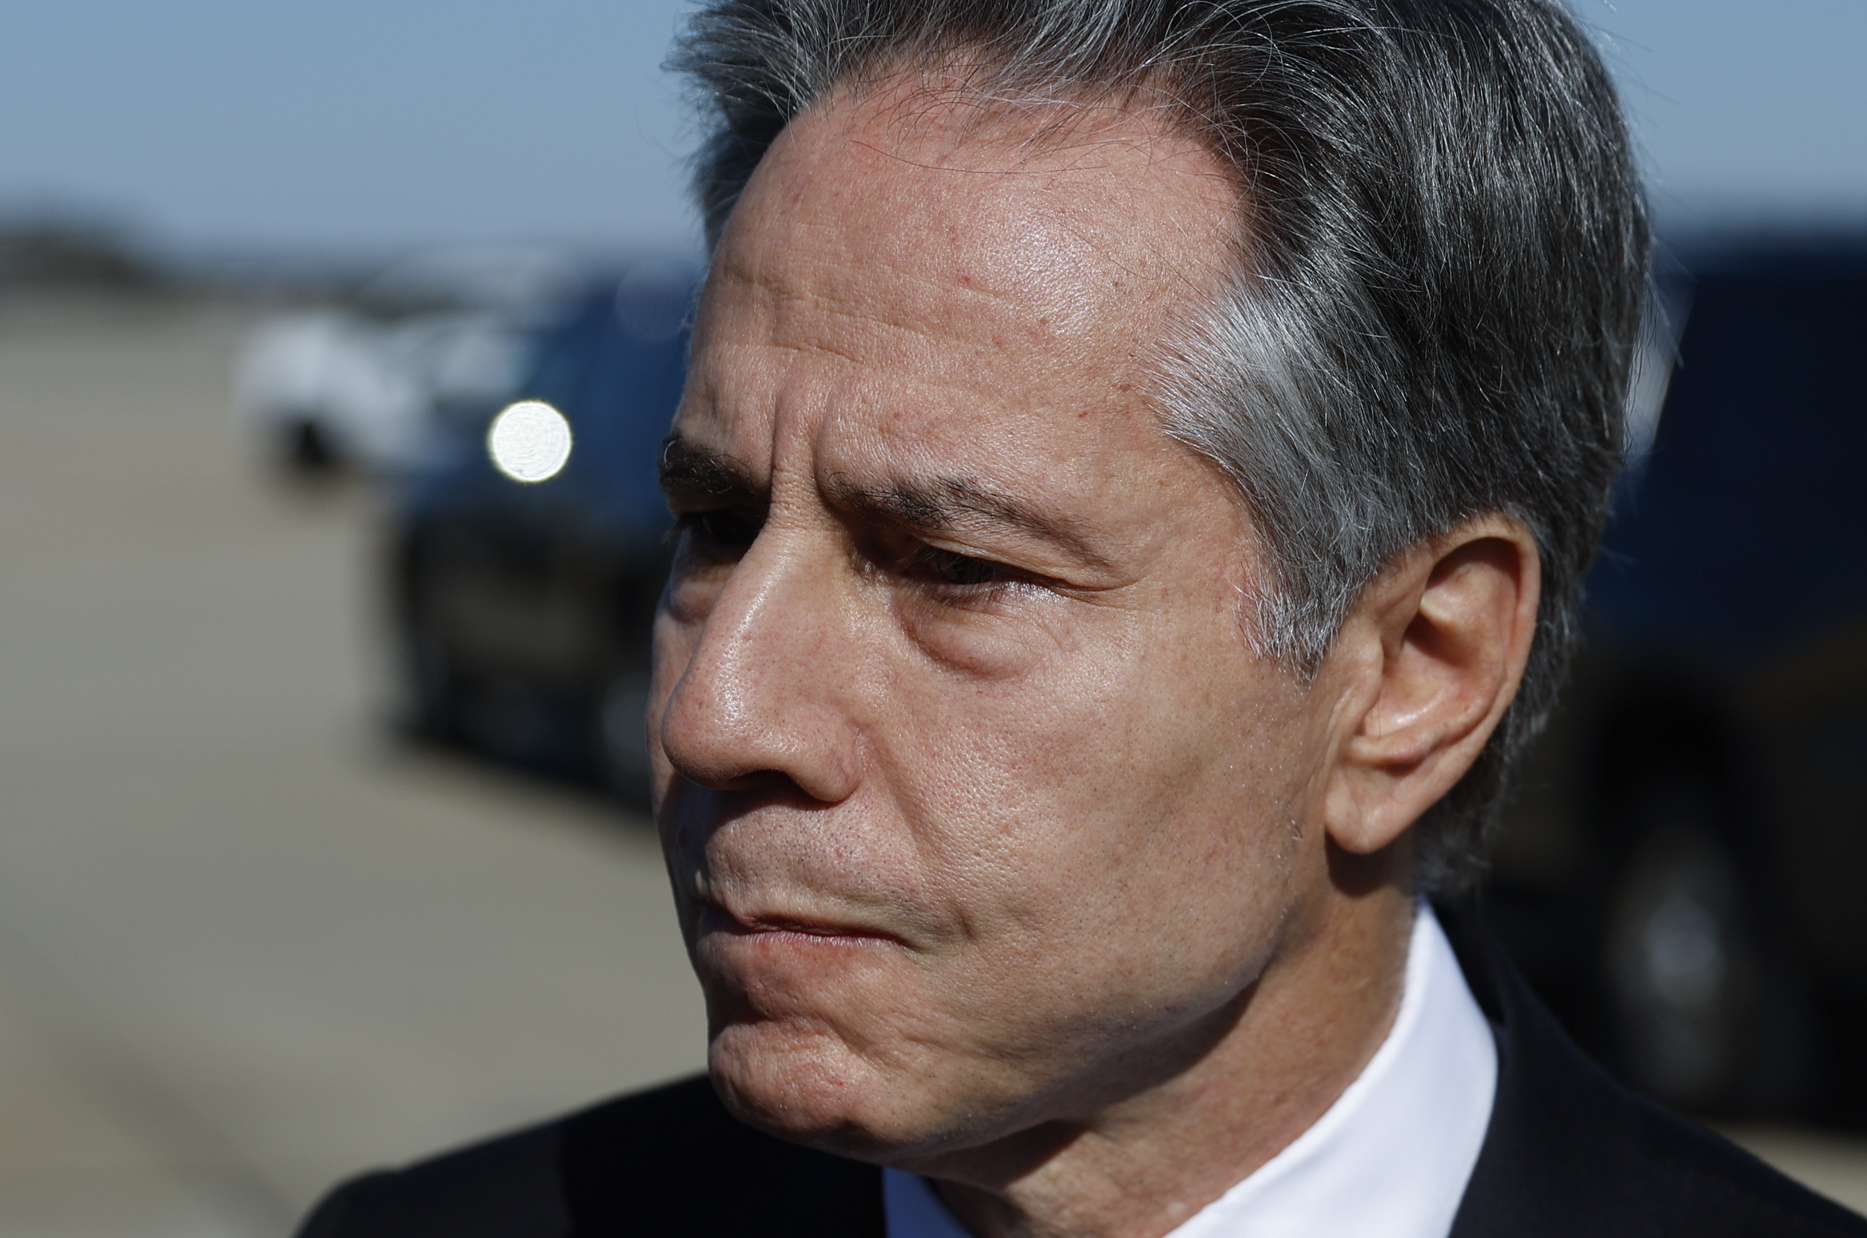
1571, 1152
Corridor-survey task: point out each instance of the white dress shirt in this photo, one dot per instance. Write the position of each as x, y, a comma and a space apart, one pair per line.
1391, 1157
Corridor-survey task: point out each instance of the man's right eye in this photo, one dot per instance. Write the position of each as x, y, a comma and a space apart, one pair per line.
722, 531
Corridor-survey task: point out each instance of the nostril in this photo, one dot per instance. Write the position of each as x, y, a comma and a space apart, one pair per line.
800, 748
710, 739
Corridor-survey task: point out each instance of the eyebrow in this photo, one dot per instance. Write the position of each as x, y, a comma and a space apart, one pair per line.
687, 468
947, 504
931, 506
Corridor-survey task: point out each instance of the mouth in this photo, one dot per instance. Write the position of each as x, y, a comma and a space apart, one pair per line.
786, 929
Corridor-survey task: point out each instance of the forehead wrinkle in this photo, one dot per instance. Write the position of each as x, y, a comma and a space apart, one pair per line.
783, 290
911, 325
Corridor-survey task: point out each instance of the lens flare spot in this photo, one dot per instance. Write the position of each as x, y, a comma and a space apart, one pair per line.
529, 441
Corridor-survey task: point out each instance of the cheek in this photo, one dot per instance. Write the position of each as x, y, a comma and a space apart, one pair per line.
1103, 808
1115, 849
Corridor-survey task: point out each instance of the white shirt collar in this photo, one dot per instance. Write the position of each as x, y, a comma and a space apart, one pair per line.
1391, 1157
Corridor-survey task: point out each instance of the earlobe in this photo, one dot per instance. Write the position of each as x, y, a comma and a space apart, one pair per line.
1432, 653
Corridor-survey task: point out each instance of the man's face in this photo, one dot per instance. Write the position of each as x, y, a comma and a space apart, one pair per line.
978, 804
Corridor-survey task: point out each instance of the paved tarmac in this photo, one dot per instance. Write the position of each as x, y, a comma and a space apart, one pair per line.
247, 943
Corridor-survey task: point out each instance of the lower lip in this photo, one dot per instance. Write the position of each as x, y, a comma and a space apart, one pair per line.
715, 920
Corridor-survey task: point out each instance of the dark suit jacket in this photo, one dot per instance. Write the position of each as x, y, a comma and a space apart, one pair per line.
1568, 1152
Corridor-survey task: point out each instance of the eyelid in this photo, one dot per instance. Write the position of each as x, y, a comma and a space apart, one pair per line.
719, 532
930, 552
1008, 548
1005, 577
682, 499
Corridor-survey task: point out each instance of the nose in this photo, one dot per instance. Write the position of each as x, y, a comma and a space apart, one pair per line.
762, 702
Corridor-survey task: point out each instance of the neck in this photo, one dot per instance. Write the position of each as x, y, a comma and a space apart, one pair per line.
1264, 1069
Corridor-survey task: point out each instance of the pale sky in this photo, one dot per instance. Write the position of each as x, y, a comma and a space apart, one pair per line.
365, 125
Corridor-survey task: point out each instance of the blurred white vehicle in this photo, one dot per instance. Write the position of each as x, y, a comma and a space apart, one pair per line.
360, 385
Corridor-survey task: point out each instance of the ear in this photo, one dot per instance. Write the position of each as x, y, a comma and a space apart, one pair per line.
1429, 657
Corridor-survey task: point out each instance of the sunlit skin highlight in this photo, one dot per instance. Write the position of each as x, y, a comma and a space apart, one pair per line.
1001, 853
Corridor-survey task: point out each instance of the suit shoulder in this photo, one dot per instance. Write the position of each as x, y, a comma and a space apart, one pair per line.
1712, 1186
507, 1187
665, 1163
1570, 1151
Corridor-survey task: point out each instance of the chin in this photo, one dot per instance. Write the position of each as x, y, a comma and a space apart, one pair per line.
804, 1084
801, 1046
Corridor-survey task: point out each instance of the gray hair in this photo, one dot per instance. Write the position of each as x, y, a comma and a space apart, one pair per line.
1438, 280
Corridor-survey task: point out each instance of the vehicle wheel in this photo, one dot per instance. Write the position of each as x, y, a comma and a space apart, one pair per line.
430, 686
1704, 1011
306, 449
621, 734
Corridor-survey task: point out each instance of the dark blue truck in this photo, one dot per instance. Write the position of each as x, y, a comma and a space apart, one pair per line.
1684, 868
522, 609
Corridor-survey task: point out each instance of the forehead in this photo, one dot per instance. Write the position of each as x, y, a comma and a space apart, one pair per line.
910, 254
